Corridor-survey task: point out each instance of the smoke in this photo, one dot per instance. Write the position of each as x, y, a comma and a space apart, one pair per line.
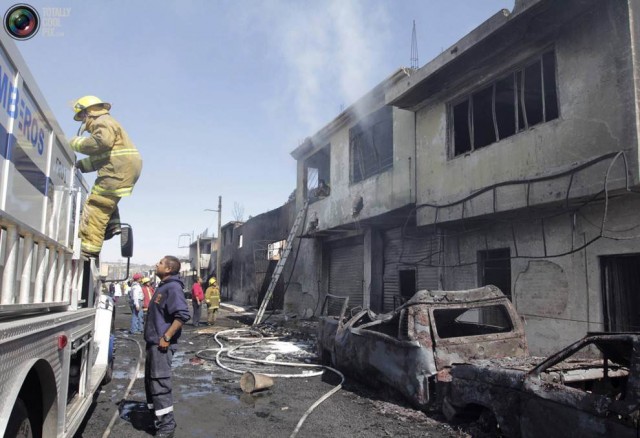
332, 52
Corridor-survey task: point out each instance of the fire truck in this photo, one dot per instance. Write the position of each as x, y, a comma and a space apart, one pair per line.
56, 324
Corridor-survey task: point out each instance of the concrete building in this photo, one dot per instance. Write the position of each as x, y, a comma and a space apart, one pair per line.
361, 241
510, 159
249, 257
527, 163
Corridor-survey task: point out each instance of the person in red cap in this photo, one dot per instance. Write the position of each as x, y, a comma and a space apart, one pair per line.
135, 302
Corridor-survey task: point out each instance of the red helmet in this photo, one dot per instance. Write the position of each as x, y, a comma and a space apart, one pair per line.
137, 276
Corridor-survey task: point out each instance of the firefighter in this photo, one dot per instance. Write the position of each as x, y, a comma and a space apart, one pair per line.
118, 163
212, 298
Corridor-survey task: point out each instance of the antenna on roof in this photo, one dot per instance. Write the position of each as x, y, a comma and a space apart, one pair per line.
414, 48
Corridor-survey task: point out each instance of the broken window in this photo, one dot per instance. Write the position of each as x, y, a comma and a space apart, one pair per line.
318, 174
471, 321
495, 268
371, 145
513, 103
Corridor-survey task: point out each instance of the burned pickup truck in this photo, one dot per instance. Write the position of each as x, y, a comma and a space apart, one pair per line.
412, 348
589, 389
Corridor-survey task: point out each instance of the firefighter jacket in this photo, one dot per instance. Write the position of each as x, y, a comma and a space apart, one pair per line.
112, 154
212, 297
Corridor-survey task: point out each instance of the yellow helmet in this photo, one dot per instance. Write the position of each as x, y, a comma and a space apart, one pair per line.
212, 281
145, 280
85, 102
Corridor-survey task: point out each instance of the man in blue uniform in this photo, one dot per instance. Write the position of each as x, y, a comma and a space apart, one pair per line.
167, 313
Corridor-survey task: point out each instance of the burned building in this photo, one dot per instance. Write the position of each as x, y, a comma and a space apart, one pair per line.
509, 159
360, 238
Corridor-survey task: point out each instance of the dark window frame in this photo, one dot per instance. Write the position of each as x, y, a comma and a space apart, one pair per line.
371, 145
530, 106
320, 161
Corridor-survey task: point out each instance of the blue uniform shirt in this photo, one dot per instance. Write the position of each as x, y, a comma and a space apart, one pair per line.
168, 303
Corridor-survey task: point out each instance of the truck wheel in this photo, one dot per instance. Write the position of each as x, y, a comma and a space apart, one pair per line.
19, 425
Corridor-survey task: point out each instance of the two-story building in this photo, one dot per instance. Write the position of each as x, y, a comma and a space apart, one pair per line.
509, 159
360, 238
527, 163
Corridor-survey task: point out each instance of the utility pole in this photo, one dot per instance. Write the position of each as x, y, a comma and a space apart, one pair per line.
198, 257
219, 251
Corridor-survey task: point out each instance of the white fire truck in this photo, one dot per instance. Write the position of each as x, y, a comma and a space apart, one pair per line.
55, 325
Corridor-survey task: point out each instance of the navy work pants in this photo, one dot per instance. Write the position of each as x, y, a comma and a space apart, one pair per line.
157, 385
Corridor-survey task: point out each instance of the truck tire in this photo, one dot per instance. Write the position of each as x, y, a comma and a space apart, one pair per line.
19, 425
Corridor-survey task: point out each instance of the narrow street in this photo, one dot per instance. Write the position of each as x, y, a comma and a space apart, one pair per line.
209, 401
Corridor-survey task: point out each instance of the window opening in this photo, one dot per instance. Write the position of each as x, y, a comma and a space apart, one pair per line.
471, 321
620, 285
513, 103
318, 174
495, 269
407, 282
240, 241
371, 145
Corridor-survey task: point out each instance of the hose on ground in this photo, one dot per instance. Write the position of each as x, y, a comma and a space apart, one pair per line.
259, 338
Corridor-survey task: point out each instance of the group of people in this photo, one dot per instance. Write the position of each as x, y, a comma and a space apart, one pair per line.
211, 297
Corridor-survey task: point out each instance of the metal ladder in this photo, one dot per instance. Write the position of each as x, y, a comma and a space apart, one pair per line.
283, 260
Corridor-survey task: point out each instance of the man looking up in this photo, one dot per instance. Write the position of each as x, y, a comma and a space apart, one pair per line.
167, 313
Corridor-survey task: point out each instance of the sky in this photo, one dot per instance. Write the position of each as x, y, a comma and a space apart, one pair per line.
216, 94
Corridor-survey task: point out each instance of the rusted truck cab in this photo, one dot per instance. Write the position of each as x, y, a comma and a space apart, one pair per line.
412, 348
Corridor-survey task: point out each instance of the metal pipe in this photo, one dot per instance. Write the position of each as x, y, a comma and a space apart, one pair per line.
38, 293
27, 261
9, 274
66, 292
51, 275
60, 265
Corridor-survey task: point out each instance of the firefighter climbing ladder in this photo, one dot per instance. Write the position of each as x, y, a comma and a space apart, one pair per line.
283, 260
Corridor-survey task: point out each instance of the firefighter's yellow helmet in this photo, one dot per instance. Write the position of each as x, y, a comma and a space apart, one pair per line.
212, 281
85, 102
145, 280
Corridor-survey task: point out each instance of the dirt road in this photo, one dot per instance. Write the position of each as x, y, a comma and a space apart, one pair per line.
210, 403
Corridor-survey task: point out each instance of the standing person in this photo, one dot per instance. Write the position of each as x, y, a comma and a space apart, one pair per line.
118, 163
117, 291
212, 298
135, 301
167, 313
147, 293
197, 296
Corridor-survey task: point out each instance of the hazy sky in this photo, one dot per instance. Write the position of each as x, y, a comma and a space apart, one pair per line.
216, 94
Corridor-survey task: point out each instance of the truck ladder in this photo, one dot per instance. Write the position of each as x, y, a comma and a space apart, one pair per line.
283, 260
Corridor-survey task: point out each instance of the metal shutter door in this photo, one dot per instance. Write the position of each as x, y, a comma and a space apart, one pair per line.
346, 269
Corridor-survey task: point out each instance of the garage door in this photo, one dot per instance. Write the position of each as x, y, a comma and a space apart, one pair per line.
346, 269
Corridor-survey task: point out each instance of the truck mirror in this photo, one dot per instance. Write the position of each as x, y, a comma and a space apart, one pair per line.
126, 241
